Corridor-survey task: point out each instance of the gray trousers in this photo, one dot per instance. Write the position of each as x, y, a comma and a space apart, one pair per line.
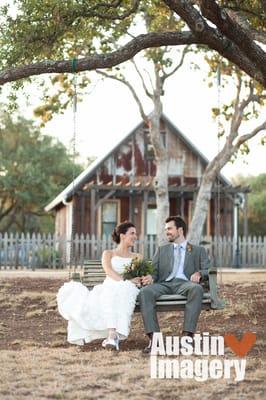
148, 295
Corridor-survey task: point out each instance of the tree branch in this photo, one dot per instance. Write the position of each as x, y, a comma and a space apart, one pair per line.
133, 92
216, 41
242, 139
242, 9
149, 77
102, 61
179, 65
233, 44
92, 13
259, 36
238, 114
148, 93
233, 31
7, 210
238, 90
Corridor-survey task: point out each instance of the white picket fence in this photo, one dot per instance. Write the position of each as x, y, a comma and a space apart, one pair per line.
19, 251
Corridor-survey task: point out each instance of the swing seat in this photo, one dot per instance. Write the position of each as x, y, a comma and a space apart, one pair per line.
93, 274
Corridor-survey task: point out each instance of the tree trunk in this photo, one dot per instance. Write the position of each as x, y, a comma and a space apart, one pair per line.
162, 197
204, 194
201, 209
161, 178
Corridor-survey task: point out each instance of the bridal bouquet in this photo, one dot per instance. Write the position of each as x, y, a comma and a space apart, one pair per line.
138, 268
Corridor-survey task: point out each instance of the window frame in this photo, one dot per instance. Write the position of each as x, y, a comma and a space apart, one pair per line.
100, 214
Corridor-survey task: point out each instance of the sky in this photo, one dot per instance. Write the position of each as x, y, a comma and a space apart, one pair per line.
109, 113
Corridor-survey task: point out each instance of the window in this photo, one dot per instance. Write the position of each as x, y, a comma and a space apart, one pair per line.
109, 217
151, 220
163, 138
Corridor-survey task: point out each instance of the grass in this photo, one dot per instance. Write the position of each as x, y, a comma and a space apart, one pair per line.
60, 331
73, 374
37, 368
46, 297
34, 313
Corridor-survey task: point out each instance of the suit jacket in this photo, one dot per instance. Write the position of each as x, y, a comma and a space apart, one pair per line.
196, 259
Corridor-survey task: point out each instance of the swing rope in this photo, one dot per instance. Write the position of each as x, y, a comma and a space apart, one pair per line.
74, 107
218, 197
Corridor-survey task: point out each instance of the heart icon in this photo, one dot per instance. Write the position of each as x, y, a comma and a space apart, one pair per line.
242, 347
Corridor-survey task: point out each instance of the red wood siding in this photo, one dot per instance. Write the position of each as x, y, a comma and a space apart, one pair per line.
124, 208
60, 221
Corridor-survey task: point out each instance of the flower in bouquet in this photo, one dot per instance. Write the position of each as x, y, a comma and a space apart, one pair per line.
138, 268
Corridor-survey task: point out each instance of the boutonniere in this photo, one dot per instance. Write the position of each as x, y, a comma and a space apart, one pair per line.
189, 248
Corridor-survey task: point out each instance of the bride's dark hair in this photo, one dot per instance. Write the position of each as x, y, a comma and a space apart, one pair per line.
121, 228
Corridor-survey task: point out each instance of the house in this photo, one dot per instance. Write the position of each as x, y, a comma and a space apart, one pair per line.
119, 187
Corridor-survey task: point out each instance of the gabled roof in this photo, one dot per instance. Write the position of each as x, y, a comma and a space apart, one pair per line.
80, 181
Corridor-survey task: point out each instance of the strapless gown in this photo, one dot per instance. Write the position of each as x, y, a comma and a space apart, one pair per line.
91, 312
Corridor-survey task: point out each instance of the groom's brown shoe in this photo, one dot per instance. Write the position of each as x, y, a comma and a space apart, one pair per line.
147, 349
189, 334
186, 333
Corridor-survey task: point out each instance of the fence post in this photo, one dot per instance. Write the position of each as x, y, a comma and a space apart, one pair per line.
1, 251
81, 255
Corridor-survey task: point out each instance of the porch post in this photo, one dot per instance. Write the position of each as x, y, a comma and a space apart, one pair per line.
131, 203
245, 211
82, 214
93, 196
145, 208
182, 205
237, 263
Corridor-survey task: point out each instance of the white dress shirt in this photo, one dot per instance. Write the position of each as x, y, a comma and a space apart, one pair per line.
183, 246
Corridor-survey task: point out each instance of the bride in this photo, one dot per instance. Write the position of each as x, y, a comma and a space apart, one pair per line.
106, 310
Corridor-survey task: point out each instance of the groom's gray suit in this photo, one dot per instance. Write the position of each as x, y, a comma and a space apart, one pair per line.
196, 259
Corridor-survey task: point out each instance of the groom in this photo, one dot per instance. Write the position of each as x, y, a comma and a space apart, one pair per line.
178, 268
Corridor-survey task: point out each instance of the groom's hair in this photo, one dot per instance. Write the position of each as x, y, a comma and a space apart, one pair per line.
179, 222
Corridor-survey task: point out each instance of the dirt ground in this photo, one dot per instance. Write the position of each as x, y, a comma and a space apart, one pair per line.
38, 363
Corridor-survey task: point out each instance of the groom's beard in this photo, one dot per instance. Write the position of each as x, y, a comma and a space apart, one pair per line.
171, 238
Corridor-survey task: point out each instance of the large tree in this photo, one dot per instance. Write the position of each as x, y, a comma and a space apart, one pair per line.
40, 38
229, 28
33, 169
152, 70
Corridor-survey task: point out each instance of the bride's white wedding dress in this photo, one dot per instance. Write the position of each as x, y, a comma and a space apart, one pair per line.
91, 312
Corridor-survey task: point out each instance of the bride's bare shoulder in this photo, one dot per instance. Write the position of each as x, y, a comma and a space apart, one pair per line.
107, 254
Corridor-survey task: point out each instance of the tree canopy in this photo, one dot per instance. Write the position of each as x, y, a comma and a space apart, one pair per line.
257, 203
39, 38
33, 169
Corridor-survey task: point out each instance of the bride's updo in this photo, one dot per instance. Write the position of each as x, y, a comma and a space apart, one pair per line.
121, 228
